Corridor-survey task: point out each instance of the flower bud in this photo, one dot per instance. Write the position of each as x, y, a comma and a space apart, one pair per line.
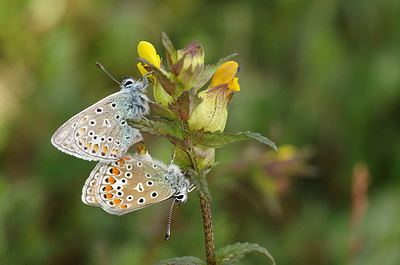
192, 56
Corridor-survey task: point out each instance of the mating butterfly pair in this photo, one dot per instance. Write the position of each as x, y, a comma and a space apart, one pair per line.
120, 183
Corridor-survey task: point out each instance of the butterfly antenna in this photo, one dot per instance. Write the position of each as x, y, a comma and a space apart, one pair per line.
104, 69
169, 222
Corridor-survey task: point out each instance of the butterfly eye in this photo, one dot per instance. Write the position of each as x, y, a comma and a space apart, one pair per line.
180, 197
128, 82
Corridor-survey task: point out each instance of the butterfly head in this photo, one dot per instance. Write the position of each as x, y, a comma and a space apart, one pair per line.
134, 85
178, 183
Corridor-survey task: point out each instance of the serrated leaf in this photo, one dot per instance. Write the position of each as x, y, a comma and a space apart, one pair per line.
185, 104
169, 129
199, 180
234, 253
182, 261
218, 139
159, 110
209, 70
162, 77
172, 55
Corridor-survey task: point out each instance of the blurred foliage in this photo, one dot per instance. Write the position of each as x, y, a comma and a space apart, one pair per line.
320, 76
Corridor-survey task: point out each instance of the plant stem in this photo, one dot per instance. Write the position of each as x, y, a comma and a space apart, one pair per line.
208, 232
207, 218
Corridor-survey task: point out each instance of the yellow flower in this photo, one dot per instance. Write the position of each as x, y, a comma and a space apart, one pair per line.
225, 74
147, 51
212, 112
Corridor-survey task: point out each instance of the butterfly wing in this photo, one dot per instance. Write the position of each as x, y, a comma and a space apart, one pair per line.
90, 187
100, 132
132, 183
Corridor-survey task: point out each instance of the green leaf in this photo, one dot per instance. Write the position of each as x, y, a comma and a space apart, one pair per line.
169, 129
233, 253
185, 104
159, 110
199, 180
172, 55
182, 261
162, 77
218, 139
209, 70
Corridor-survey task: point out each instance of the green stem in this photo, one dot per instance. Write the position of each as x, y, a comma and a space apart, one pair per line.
207, 218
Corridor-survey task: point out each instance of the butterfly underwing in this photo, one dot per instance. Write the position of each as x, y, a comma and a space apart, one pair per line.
101, 132
133, 182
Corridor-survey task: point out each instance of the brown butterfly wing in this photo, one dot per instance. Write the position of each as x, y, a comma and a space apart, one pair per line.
132, 183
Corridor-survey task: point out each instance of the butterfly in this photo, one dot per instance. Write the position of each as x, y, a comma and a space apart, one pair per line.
101, 132
132, 183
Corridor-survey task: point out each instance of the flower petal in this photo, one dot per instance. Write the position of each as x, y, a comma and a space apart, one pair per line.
224, 74
147, 51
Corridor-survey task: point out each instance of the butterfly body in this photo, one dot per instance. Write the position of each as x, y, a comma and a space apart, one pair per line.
101, 132
132, 183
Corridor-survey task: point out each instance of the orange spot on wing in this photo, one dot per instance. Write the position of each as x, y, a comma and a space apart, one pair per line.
89, 145
123, 206
83, 140
109, 195
105, 150
81, 130
96, 147
111, 180
121, 162
115, 171
108, 188
116, 152
83, 120
116, 201
126, 158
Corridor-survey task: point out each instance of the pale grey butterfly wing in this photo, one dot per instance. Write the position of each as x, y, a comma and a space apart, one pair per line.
101, 132
132, 183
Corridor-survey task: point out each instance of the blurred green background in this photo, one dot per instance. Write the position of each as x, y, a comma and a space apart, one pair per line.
320, 78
